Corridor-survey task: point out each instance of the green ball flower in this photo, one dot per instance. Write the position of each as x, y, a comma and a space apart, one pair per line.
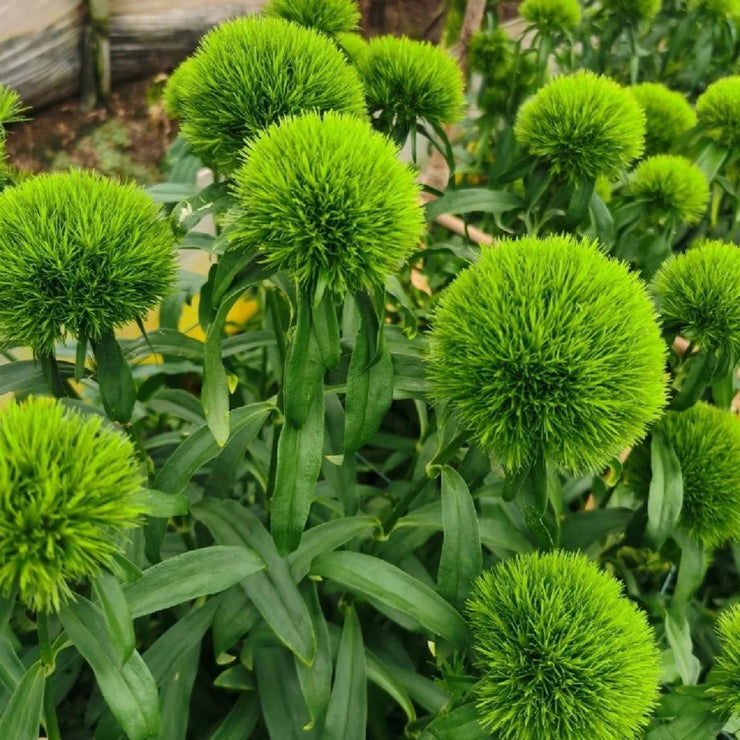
490, 52
175, 89
558, 16
329, 16
69, 490
707, 443
634, 11
342, 215
250, 72
79, 255
725, 689
529, 347
353, 45
583, 126
672, 188
719, 9
561, 652
698, 294
407, 80
718, 110
668, 115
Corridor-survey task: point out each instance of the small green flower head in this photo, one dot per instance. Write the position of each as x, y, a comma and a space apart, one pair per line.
490, 52
583, 126
407, 80
725, 691
718, 9
69, 491
80, 255
11, 108
561, 652
342, 215
698, 295
528, 348
668, 115
718, 110
634, 11
672, 188
353, 45
552, 16
707, 443
250, 72
329, 16
175, 88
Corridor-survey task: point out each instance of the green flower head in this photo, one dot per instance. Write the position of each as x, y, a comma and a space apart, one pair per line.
672, 188
342, 215
407, 80
69, 491
530, 350
698, 294
718, 110
583, 126
558, 16
250, 72
725, 691
561, 652
353, 45
491, 53
668, 116
718, 9
329, 16
79, 255
634, 11
707, 443
174, 91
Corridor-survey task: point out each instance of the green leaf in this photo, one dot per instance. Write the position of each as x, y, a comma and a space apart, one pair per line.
602, 220
22, 715
461, 559
387, 586
583, 528
699, 373
459, 724
208, 570
693, 567
117, 389
273, 593
384, 677
702, 726
129, 691
11, 667
711, 159
235, 616
326, 331
26, 376
666, 490
172, 192
168, 342
347, 713
116, 613
164, 505
479, 200
299, 454
678, 634
175, 694
241, 720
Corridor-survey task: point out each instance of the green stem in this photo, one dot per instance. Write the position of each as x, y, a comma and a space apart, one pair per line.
47, 658
50, 368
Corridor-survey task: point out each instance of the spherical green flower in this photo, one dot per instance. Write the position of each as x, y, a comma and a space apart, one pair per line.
634, 11
718, 110
552, 15
719, 9
80, 255
671, 187
699, 296
490, 52
725, 691
175, 88
342, 215
561, 652
353, 45
69, 490
530, 349
329, 16
707, 443
668, 115
583, 126
250, 72
409, 80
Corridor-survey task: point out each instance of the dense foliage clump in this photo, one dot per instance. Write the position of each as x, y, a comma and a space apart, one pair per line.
329, 16
551, 15
718, 110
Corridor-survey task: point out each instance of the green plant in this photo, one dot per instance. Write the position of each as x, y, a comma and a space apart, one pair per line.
718, 110
560, 651
527, 348
554, 16
634, 11
726, 689
329, 16
668, 116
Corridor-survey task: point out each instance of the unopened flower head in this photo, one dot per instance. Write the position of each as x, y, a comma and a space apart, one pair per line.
329, 16
668, 115
491, 53
553, 16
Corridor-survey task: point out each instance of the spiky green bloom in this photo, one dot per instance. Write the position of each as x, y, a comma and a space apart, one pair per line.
557, 16
583, 126
407, 80
672, 188
668, 115
699, 296
175, 88
725, 689
250, 72
69, 490
561, 652
719, 9
342, 215
707, 443
80, 255
530, 349
718, 110
491, 53
353, 45
329, 16
11, 108
634, 11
